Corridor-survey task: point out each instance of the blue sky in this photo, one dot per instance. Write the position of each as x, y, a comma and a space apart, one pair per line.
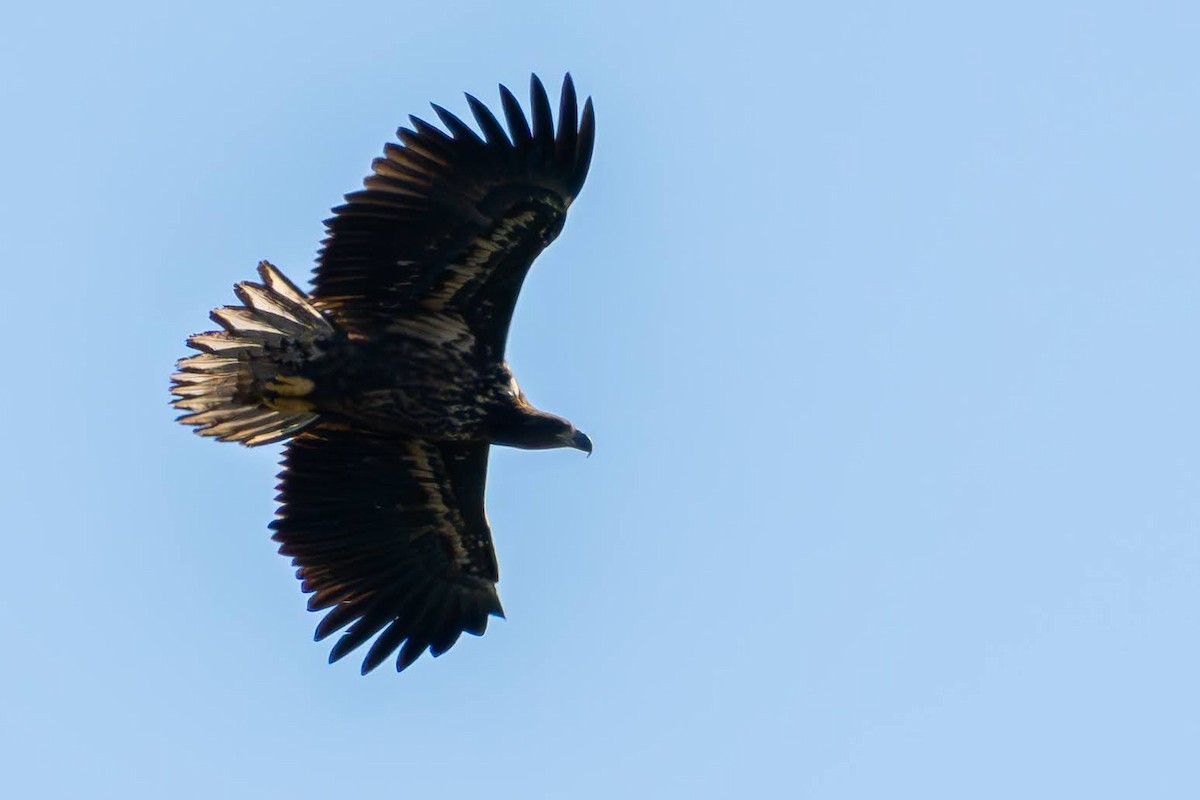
883, 319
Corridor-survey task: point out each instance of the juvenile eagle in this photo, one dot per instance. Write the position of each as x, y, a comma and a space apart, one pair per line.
389, 378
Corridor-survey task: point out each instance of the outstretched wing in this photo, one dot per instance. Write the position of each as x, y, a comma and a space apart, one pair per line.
391, 535
452, 221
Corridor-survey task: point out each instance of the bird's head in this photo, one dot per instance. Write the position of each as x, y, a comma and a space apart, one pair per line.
531, 429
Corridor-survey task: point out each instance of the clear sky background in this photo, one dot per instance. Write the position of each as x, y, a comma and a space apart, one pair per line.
883, 317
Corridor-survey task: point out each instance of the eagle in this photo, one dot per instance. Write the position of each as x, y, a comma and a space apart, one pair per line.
388, 380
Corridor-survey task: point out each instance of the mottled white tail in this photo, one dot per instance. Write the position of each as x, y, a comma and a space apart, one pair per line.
243, 385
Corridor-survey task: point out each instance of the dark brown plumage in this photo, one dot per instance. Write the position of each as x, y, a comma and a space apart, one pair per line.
389, 378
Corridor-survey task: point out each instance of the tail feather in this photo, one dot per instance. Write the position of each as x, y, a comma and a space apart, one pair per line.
227, 387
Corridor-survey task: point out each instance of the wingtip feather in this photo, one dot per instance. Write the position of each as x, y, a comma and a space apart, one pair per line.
514, 115
493, 131
460, 130
543, 117
568, 110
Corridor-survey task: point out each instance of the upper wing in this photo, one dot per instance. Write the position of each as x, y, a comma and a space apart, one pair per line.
453, 221
390, 533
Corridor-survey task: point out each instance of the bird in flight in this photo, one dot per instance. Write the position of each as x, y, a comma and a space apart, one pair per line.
389, 381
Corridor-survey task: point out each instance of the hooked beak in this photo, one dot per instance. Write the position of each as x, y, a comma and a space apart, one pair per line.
580, 441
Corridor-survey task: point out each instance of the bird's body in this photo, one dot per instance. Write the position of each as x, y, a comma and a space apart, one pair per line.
422, 376
390, 379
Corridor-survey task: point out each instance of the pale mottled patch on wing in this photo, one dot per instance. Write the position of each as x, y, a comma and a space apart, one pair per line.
441, 329
461, 278
427, 469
